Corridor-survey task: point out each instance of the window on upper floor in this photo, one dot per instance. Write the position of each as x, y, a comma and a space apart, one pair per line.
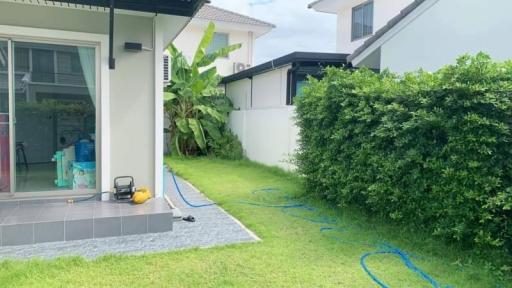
362, 20
219, 41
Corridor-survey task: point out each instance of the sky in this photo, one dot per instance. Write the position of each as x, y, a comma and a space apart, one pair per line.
298, 28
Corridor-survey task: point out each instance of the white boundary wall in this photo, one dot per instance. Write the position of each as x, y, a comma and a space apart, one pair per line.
269, 136
263, 122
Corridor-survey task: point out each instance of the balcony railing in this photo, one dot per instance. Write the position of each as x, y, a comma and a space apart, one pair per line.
24, 78
72, 79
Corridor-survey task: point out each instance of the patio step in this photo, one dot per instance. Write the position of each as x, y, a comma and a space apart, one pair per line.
54, 220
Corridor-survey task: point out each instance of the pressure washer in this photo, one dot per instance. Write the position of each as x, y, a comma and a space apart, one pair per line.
123, 190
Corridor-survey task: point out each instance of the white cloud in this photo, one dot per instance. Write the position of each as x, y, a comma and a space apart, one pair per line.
298, 28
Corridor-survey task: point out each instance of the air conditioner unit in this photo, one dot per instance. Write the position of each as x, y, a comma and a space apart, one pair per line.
239, 67
167, 77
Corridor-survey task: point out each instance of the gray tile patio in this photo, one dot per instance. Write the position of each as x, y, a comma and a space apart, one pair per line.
213, 227
31, 222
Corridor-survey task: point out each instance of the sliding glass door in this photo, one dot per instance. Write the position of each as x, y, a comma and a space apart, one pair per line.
5, 162
48, 144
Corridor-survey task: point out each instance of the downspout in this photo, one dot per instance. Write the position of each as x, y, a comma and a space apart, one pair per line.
251, 78
111, 59
250, 50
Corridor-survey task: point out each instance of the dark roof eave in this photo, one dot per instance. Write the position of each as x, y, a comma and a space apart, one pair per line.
285, 60
381, 32
168, 7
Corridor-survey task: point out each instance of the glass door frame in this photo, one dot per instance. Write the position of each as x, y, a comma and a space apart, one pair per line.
12, 151
12, 119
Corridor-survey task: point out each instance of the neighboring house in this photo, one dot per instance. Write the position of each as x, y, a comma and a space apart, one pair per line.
231, 28
429, 34
69, 74
358, 19
263, 98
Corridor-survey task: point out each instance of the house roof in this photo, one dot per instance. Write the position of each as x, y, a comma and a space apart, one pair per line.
381, 32
209, 12
170, 7
295, 57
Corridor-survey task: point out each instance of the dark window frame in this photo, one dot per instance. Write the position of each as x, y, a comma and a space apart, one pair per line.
300, 71
359, 30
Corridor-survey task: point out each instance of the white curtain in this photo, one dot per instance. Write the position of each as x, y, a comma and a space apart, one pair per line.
88, 62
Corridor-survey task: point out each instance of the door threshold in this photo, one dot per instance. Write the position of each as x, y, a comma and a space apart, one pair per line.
33, 196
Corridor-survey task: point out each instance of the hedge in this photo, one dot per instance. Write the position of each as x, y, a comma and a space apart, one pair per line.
432, 150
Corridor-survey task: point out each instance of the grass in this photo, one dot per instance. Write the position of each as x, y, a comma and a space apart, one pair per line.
292, 253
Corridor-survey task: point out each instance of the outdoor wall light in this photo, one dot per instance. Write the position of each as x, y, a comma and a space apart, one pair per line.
133, 47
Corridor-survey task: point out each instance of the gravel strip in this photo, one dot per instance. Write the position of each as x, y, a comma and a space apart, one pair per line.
213, 227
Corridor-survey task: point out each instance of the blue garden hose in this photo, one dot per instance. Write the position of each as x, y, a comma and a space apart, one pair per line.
287, 208
407, 262
183, 197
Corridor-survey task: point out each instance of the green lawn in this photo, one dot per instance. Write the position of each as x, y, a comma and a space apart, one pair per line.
292, 253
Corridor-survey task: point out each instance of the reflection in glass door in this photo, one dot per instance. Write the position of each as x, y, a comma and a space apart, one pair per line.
55, 110
5, 164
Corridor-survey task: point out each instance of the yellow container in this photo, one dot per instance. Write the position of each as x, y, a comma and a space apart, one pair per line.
141, 196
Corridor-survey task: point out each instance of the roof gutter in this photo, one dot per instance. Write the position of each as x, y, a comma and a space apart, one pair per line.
285, 60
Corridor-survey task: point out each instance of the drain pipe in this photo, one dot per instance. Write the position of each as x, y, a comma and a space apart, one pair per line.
111, 59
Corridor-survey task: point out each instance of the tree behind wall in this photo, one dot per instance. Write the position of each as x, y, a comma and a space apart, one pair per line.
195, 106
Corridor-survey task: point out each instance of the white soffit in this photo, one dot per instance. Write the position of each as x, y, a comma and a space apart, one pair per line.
332, 6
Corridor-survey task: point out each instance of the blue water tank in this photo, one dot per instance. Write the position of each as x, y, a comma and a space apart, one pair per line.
85, 151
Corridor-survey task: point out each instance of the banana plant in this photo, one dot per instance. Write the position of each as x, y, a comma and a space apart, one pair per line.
195, 106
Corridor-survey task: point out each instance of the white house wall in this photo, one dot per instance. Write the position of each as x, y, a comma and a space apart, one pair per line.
269, 89
447, 30
384, 10
240, 93
266, 129
188, 40
132, 92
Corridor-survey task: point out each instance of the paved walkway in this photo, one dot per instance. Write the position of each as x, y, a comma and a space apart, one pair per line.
214, 227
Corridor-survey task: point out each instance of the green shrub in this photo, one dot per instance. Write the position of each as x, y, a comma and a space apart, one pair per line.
432, 150
227, 147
